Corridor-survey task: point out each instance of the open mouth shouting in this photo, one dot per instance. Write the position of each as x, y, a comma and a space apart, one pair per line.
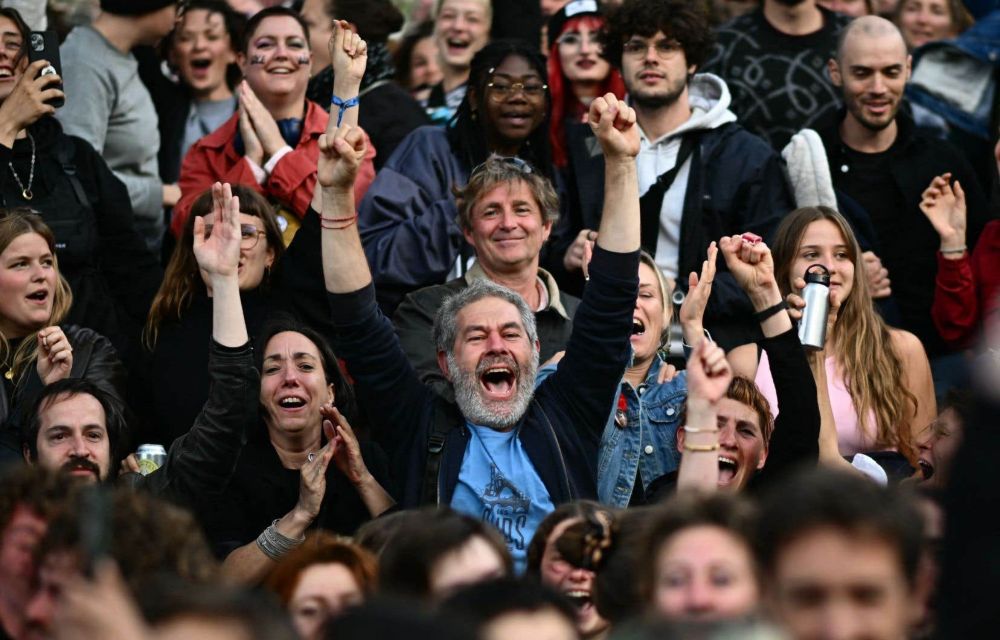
582, 600
6, 72
498, 377
728, 466
457, 46
638, 327
291, 403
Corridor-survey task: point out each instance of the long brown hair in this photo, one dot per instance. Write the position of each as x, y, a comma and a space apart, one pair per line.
182, 279
862, 344
13, 224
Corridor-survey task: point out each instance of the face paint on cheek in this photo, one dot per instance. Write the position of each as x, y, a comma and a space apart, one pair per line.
303, 60
256, 60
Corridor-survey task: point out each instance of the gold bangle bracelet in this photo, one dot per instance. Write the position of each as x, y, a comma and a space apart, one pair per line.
688, 429
704, 448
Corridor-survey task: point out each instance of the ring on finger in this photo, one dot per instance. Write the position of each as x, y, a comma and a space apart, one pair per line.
311, 456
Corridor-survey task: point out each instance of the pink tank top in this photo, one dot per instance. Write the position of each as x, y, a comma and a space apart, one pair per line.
852, 437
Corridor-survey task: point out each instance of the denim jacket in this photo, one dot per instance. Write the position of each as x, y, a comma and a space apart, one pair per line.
647, 445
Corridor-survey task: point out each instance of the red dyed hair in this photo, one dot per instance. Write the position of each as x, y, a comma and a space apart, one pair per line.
564, 101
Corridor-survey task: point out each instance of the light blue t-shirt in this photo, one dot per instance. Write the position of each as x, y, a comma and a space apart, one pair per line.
498, 484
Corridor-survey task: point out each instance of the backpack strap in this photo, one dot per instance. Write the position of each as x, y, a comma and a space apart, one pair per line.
442, 422
65, 154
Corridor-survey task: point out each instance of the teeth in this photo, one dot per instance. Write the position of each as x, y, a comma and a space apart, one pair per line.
727, 460
291, 402
5, 73
578, 594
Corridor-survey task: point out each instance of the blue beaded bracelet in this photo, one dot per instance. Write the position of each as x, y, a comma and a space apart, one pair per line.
343, 105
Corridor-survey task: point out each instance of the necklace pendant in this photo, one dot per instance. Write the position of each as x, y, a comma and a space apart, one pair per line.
27, 194
9, 375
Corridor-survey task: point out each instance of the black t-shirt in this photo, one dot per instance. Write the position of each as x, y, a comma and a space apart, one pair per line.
905, 241
779, 82
867, 177
263, 490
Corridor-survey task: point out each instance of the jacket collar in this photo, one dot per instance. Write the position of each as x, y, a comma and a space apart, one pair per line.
476, 272
829, 131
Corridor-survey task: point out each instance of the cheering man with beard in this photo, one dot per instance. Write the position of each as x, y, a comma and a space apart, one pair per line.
508, 453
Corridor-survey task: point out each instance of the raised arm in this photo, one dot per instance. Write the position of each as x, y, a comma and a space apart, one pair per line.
708, 378
795, 439
613, 122
203, 460
598, 349
349, 56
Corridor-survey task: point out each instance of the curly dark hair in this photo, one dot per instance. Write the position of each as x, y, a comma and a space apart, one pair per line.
683, 20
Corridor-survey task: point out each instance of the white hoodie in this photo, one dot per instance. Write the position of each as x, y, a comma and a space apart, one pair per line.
709, 99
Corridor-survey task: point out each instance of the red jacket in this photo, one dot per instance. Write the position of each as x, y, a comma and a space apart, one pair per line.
213, 159
967, 290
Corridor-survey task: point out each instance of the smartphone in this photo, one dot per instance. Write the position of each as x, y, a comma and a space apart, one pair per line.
44, 45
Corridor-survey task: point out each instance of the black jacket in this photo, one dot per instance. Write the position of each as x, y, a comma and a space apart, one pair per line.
909, 251
93, 359
414, 320
201, 462
111, 272
562, 427
736, 183
169, 384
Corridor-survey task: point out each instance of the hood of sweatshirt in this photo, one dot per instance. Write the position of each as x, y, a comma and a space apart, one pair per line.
709, 98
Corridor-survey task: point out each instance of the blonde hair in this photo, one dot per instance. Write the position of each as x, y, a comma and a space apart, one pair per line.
13, 224
666, 286
863, 347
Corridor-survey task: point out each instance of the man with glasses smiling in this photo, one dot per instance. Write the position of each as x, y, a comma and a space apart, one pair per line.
701, 174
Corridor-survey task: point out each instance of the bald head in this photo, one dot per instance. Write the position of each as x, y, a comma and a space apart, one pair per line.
861, 32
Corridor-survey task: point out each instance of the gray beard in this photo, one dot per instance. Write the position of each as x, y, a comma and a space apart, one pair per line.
495, 415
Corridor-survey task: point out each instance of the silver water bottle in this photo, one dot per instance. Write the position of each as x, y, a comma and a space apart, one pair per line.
812, 326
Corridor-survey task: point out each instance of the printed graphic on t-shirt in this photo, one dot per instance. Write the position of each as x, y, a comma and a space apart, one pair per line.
506, 507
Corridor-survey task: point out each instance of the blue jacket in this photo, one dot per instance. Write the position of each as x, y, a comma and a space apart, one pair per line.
646, 447
407, 219
561, 429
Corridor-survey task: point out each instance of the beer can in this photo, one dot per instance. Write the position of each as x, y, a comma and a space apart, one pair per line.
151, 457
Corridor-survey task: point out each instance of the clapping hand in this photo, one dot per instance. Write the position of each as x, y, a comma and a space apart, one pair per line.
346, 449
613, 122
340, 156
218, 253
259, 119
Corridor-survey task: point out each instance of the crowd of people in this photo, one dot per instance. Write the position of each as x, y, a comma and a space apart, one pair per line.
499, 319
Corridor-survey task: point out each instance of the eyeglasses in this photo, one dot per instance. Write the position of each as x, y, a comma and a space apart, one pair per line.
249, 235
574, 40
664, 47
522, 166
500, 92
